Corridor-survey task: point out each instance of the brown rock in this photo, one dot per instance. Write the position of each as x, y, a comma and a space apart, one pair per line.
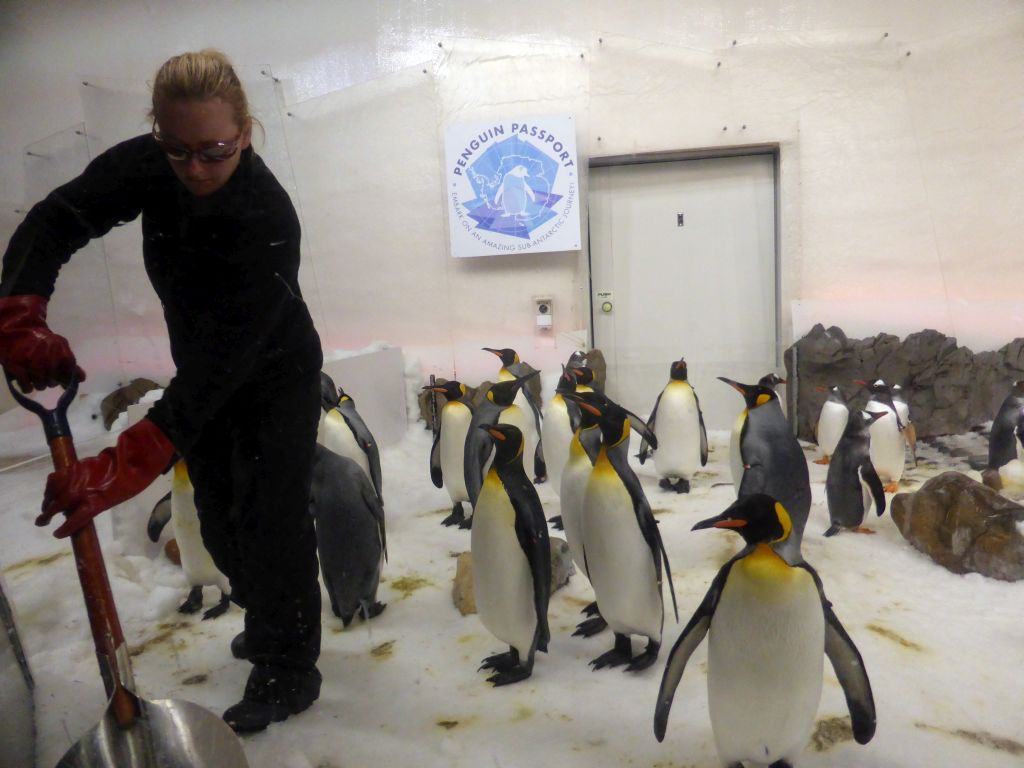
172, 552
964, 526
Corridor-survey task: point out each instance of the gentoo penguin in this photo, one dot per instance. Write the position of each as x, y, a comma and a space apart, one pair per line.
852, 483
831, 422
350, 537
583, 450
528, 398
622, 547
767, 623
343, 431
899, 402
195, 559
561, 417
1006, 439
887, 447
511, 559
449, 448
770, 459
679, 424
498, 406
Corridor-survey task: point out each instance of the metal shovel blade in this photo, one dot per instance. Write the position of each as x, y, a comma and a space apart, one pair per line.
169, 733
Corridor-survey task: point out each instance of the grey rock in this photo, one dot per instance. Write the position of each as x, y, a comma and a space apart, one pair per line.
963, 526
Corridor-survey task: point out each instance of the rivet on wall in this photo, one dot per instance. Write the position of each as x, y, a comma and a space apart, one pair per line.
33, 154
725, 127
734, 42
743, 127
424, 71
87, 84
581, 55
600, 41
908, 53
439, 44
885, 35
718, 64
598, 138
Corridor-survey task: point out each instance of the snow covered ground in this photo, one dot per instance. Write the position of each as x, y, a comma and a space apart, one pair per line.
945, 653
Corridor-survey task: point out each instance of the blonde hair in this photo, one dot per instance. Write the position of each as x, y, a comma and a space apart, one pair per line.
200, 76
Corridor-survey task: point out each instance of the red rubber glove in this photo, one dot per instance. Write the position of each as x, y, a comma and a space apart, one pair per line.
90, 486
30, 352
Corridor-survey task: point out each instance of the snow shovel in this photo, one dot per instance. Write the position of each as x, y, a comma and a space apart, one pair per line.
134, 732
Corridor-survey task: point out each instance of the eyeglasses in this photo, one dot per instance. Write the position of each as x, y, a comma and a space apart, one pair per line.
211, 152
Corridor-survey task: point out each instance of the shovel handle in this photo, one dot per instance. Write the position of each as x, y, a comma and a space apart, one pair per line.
108, 638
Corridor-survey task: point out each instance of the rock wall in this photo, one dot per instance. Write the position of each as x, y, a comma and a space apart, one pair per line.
950, 388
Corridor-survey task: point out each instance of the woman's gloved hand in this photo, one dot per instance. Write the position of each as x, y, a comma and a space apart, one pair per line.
30, 353
114, 475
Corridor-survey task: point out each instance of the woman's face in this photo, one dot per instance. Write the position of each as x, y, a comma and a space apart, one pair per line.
195, 125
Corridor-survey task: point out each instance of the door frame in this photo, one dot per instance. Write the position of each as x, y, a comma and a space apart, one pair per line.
707, 153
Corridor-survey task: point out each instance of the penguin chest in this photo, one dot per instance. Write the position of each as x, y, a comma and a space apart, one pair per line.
502, 577
455, 421
678, 431
195, 558
887, 451
556, 434
831, 423
620, 564
573, 485
765, 658
334, 435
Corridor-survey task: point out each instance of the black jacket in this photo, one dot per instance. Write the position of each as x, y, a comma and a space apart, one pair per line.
225, 268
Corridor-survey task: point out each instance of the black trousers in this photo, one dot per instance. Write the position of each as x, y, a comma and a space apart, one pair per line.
251, 469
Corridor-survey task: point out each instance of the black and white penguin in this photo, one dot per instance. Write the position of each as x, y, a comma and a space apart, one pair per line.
528, 398
767, 623
1006, 439
677, 421
831, 422
497, 406
511, 559
852, 484
449, 448
902, 407
888, 454
622, 547
350, 534
343, 431
768, 459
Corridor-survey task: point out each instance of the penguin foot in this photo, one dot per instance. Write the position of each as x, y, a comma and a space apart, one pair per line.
824, 460
645, 659
556, 522
832, 530
682, 485
511, 676
373, 609
591, 609
456, 517
781, 764
622, 653
862, 529
467, 523
502, 662
665, 483
590, 627
193, 602
219, 609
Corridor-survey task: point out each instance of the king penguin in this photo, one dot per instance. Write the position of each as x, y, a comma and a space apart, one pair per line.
677, 421
902, 406
498, 406
622, 548
528, 398
350, 535
831, 422
449, 448
767, 623
888, 454
852, 484
769, 459
196, 561
511, 559
343, 431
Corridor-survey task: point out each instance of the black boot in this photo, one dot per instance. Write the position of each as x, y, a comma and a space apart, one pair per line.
273, 694
238, 647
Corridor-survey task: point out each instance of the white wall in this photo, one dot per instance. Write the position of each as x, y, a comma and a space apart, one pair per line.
901, 128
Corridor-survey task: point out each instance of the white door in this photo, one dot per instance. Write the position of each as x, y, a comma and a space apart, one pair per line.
683, 264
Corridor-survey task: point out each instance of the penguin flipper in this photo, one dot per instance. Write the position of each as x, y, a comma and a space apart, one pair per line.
376, 508
573, 410
158, 517
755, 479
532, 532
849, 668
870, 476
645, 448
691, 637
365, 439
703, 431
435, 461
